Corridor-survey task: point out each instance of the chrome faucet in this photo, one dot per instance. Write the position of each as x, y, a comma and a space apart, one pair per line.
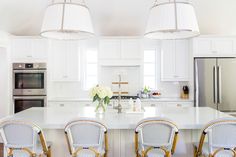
119, 107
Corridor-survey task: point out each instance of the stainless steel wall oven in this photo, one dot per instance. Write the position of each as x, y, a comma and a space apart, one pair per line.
29, 85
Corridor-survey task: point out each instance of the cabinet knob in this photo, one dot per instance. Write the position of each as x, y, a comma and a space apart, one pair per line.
214, 51
176, 76
62, 105
29, 56
179, 105
153, 105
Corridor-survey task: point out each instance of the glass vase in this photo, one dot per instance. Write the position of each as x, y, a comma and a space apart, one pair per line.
101, 107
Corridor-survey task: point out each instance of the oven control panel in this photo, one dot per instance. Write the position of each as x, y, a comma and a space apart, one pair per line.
25, 66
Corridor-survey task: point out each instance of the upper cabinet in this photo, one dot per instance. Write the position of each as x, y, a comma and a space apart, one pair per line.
131, 49
214, 47
29, 49
109, 49
64, 60
175, 60
120, 51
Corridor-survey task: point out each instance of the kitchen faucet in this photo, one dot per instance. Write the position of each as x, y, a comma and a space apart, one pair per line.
119, 107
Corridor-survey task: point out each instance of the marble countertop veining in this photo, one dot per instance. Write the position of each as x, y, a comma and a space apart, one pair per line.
57, 117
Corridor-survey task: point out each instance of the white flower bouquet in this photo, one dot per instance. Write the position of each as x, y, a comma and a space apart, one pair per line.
102, 95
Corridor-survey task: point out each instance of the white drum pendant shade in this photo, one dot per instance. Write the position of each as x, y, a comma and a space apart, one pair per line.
173, 20
67, 21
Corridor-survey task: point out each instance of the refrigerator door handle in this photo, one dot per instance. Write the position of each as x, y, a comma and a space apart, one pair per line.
218, 84
214, 84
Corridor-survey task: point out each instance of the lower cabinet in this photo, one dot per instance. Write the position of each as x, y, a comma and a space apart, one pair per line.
125, 103
168, 104
69, 103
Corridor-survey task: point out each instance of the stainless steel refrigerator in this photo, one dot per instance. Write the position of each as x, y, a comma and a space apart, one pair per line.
215, 83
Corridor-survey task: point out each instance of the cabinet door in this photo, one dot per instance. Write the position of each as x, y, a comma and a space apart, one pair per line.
214, 47
181, 60
109, 49
39, 48
223, 46
167, 60
21, 48
202, 47
179, 104
130, 49
72, 61
58, 58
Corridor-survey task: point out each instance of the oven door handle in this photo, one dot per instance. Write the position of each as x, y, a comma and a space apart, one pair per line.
29, 97
29, 71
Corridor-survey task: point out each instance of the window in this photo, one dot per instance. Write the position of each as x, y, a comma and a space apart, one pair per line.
91, 76
149, 68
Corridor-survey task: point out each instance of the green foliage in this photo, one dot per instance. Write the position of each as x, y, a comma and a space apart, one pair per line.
146, 90
97, 98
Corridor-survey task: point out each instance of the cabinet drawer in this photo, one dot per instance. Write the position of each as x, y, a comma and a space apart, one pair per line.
214, 47
179, 104
69, 103
167, 104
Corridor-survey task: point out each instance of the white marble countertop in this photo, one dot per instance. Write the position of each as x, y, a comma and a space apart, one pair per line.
161, 99
57, 117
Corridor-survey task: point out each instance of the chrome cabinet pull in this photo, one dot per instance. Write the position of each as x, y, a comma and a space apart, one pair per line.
219, 84
214, 84
179, 105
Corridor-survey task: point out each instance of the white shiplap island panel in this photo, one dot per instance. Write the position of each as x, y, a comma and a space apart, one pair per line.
121, 126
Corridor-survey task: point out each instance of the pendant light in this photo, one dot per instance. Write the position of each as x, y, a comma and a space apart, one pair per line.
172, 20
67, 20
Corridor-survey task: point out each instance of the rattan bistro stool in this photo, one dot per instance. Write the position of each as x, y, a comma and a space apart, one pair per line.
86, 138
155, 137
221, 135
24, 139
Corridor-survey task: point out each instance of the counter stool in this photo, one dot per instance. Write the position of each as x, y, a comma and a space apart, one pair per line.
155, 137
24, 139
86, 138
221, 134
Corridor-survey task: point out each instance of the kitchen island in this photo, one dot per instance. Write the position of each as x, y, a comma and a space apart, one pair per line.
52, 120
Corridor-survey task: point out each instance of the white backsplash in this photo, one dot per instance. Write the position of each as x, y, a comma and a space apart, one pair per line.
67, 90
109, 74
128, 74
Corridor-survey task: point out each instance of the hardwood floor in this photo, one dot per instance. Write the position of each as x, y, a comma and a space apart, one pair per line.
1, 149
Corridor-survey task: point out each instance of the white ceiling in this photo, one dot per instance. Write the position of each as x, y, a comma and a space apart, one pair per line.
116, 17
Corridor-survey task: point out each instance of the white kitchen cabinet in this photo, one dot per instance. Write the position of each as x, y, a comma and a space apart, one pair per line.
121, 51
69, 103
168, 104
29, 49
39, 48
214, 47
109, 49
179, 104
130, 49
64, 59
175, 60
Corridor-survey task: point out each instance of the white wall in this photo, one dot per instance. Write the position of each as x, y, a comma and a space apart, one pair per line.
216, 16
4, 88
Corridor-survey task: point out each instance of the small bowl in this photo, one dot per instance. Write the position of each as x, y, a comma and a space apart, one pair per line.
156, 96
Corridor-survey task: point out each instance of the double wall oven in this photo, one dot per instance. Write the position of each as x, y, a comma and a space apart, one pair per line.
29, 85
